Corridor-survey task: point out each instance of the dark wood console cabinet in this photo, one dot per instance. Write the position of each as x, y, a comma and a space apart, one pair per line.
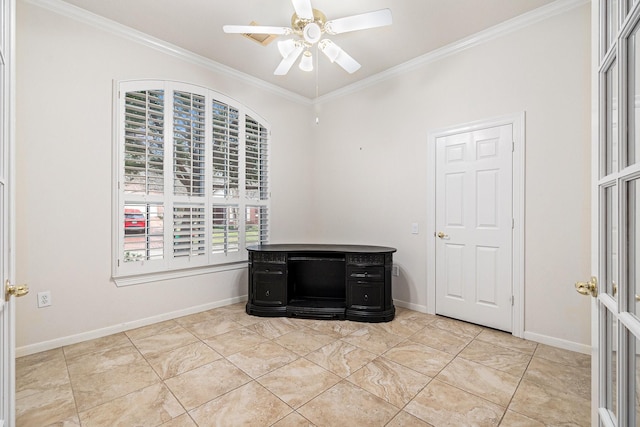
321, 282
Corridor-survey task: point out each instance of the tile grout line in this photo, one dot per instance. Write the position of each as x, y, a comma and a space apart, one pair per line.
518, 386
73, 394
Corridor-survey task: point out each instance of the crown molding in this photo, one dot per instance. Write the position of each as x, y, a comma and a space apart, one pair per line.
96, 21
540, 14
73, 12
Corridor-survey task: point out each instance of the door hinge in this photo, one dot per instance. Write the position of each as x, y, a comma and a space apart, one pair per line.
513, 146
513, 300
513, 223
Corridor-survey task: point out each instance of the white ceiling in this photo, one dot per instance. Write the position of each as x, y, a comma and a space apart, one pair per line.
419, 27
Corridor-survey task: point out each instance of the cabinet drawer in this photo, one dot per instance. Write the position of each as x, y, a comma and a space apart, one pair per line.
365, 273
365, 295
272, 293
272, 269
270, 285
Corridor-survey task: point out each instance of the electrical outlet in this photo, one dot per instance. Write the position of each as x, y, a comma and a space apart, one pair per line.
44, 299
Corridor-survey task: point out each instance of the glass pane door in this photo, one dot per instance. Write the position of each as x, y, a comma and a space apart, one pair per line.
617, 362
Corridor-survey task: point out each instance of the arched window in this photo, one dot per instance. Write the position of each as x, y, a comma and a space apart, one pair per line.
192, 184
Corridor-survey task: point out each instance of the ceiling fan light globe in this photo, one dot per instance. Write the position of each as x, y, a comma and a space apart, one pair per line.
286, 47
312, 33
306, 63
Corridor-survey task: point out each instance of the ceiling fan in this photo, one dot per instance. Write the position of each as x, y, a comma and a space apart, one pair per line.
308, 26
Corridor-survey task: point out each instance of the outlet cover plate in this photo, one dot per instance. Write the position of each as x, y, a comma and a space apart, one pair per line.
44, 299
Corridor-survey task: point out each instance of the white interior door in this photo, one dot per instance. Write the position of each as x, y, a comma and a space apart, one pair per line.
7, 342
616, 214
474, 226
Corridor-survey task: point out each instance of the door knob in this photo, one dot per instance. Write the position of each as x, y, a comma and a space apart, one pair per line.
588, 288
442, 235
17, 291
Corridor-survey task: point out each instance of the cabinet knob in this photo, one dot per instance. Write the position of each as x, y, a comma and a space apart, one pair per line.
366, 297
266, 293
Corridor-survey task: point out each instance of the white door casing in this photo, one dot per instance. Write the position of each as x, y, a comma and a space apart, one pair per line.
476, 195
7, 339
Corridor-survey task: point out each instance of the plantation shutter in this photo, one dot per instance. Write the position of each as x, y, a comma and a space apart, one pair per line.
144, 232
144, 142
226, 230
143, 186
256, 160
256, 181
257, 225
226, 148
188, 144
189, 231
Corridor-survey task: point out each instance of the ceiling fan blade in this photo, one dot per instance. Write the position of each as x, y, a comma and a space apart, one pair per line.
339, 56
349, 64
287, 63
254, 29
364, 21
303, 9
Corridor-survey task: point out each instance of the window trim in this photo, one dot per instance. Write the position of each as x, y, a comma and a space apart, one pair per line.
169, 267
177, 274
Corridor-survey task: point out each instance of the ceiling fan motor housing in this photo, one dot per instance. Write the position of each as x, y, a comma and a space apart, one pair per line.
312, 33
311, 30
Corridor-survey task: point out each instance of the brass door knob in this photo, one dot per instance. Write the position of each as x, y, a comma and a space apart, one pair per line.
442, 235
17, 291
588, 288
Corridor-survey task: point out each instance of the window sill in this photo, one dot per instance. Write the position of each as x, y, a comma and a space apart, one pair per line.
176, 274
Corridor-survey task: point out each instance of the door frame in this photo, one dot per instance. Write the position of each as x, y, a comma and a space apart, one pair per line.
7, 370
517, 121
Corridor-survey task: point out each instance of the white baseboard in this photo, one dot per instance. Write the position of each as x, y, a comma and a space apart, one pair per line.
110, 330
557, 342
410, 306
531, 336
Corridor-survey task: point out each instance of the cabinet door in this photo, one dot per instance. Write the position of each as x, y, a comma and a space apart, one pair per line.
270, 285
365, 295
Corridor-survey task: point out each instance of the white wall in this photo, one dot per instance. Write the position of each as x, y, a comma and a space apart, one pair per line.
65, 72
371, 155
360, 175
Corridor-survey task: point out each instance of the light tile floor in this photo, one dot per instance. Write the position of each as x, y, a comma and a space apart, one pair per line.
225, 368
